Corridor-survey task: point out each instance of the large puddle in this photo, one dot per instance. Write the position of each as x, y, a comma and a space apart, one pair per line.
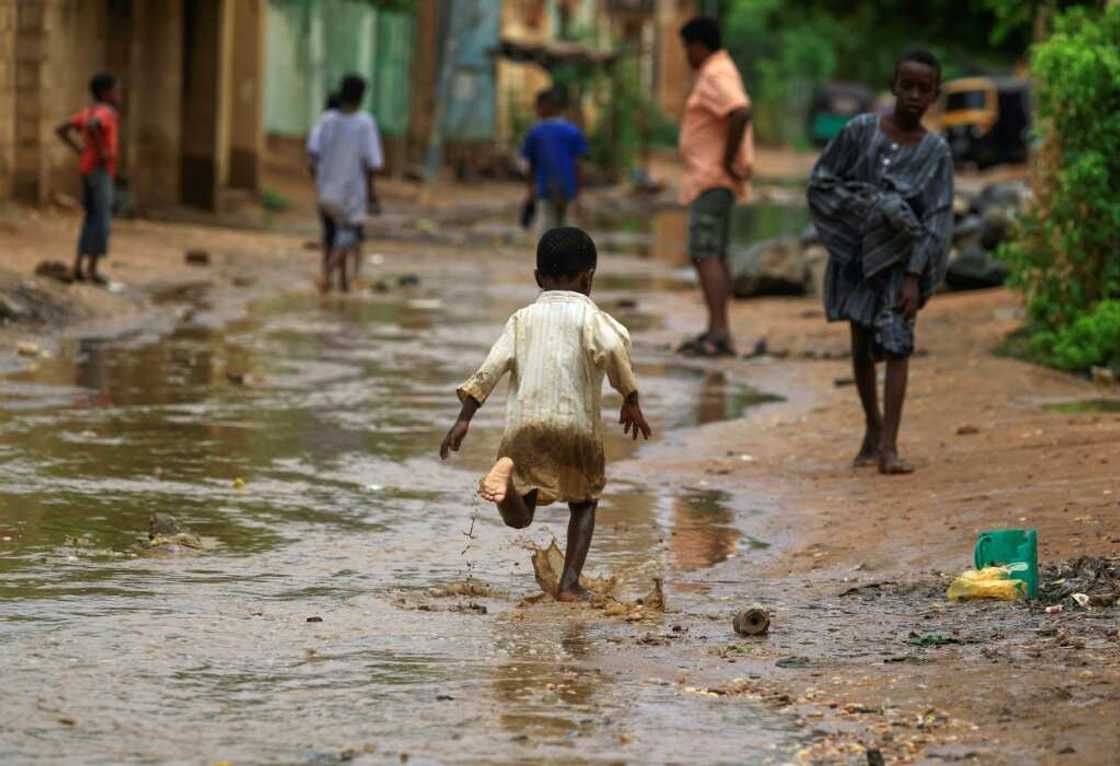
299, 442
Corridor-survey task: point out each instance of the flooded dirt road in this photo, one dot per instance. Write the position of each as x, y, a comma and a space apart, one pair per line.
299, 442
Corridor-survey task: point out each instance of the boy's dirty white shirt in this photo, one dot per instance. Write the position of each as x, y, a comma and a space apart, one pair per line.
556, 351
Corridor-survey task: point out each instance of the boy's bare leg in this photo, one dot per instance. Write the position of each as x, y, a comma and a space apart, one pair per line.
581, 527
497, 487
328, 269
344, 280
863, 370
894, 395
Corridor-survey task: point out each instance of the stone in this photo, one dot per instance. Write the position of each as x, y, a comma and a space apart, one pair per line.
197, 257
56, 270
998, 224
770, 267
974, 268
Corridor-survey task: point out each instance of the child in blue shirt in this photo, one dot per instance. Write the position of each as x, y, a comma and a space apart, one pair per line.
553, 148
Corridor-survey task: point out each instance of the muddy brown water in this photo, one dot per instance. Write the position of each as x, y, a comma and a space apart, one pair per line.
299, 441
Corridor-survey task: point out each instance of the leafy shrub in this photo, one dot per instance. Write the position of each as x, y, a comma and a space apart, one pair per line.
1066, 255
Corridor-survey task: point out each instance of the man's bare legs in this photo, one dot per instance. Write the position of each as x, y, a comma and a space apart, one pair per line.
715, 283
517, 511
863, 370
894, 395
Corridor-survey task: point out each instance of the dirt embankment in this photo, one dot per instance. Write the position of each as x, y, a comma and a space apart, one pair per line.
866, 648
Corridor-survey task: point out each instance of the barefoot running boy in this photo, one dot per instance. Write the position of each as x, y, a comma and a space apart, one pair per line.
97, 164
881, 195
556, 351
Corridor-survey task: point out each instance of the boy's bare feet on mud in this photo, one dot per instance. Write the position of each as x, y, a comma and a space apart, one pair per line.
869, 452
495, 485
891, 464
578, 593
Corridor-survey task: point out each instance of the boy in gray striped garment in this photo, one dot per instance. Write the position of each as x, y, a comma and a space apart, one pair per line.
881, 196
556, 352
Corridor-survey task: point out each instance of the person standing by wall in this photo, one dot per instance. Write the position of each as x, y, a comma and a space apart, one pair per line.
717, 150
98, 126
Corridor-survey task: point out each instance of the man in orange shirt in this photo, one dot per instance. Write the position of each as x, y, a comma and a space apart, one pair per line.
717, 150
97, 163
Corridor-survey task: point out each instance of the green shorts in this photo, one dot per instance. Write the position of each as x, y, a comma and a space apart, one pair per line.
709, 224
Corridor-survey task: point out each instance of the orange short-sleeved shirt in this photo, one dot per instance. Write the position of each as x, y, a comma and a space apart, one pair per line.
717, 92
106, 117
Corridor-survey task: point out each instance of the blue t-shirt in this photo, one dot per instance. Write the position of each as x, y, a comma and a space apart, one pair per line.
552, 147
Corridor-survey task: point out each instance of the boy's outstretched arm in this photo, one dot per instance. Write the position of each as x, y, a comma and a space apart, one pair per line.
65, 133
632, 419
458, 432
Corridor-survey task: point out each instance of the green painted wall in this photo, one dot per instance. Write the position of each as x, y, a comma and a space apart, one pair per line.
313, 43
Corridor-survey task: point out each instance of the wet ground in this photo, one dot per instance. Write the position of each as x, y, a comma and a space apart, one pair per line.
299, 441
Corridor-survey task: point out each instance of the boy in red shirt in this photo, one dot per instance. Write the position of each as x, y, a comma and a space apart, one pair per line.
98, 125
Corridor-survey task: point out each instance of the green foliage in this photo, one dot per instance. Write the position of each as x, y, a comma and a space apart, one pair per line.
786, 48
1065, 255
273, 201
1092, 339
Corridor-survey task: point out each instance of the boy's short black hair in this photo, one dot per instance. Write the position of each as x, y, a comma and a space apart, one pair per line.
555, 97
334, 101
566, 252
353, 89
101, 83
919, 56
703, 30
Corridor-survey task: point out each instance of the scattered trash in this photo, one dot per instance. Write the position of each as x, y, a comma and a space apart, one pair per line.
1015, 548
238, 483
1097, 577
1055, 609
197, 257
1103, 376
990, 582
932, 639
1081, 599
967, 431
27, 348
752, 621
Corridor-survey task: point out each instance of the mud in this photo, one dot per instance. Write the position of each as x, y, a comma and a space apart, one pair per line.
329, 617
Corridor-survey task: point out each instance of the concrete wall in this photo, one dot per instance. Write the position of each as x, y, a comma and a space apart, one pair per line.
179, 139
152, 128
7, 96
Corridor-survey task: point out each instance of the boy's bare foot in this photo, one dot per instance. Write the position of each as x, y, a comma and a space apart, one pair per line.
578, 593
891, 464
869, 452
495, 485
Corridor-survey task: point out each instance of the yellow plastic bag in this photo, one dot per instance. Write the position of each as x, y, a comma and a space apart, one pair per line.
990, 582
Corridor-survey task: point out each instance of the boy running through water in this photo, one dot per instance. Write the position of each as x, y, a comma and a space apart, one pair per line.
556, 351
97, 163
553, 149
346, 149
881, 195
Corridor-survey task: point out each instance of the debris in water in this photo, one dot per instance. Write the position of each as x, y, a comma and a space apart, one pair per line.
27, 348
752, 621
238, 483
314, 619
